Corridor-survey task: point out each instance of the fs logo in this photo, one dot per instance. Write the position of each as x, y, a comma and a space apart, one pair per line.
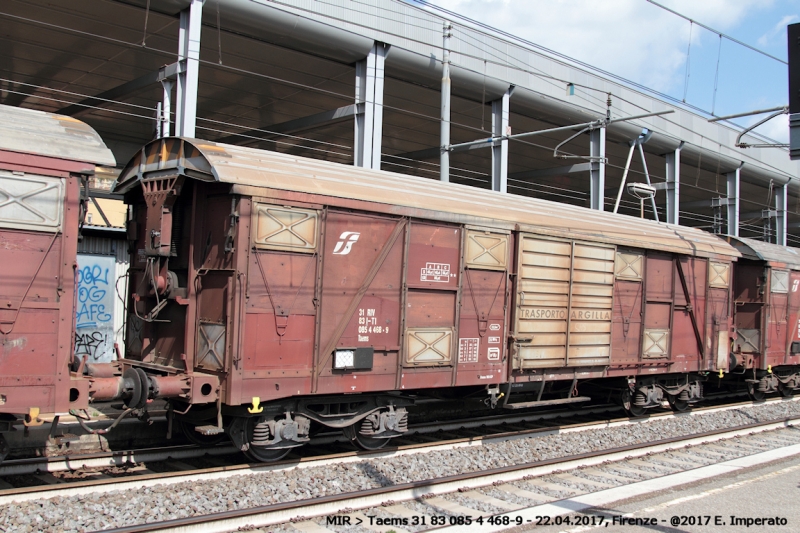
346, 242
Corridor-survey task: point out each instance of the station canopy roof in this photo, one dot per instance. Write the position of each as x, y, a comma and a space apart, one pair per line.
270, 69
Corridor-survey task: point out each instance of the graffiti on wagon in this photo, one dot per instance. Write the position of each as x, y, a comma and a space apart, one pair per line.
94, 308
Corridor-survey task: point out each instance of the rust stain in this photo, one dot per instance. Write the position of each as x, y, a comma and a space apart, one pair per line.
9, 345
7, 244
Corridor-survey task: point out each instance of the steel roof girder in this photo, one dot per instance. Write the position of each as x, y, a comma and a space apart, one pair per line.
597, 170
189, 75
368, 123
672, 185
733, 182
500, 128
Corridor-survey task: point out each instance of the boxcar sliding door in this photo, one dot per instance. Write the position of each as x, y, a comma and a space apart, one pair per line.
564, 302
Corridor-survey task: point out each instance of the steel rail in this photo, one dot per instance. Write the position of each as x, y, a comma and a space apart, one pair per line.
80, 488
126, 457
123, 458
243, 519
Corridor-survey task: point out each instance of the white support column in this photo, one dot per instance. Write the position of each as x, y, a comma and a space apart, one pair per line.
733, 201
189, 76
364, 119
674, 185
166, 107
781, 195
597, 174
380, 50
444, 124
369, 99
500, 148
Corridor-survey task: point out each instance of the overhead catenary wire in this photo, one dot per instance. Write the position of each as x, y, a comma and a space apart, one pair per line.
712, 30
72, 93
280, 80
88, 106
82, 105
716, 76
285, 81
435, 174
570, 61
591, 67
146, 17
344, 155
553, 54
208, 120
248, 133
688, 63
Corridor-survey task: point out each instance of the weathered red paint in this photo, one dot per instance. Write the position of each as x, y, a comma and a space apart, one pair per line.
777, 329
376, 273
793, 326
481, 351
37, 327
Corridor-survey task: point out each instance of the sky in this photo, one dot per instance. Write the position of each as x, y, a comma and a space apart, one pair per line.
646, 44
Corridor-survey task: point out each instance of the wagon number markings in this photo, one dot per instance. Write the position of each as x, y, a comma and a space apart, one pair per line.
368, 323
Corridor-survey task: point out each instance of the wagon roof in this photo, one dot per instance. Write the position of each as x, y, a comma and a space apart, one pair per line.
35, 132
237, 165
766, 251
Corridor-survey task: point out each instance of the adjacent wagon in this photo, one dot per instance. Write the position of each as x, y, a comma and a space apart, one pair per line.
44, 160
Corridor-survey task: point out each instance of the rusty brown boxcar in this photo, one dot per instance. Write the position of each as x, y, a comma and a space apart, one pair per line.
269, 291
766, 301
43, 160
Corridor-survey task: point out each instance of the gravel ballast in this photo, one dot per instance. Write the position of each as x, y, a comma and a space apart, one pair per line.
179, 500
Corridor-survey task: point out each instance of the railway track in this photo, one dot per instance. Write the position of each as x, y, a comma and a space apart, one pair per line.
418, 433
553, 488
124, 461
329, 504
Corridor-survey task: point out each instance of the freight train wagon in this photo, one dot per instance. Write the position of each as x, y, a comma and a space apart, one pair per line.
44, 160
766, 317
270, 291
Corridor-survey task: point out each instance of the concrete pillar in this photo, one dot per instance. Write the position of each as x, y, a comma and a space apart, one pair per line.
781, 195
189, 76
369, 99
444, 129
674, 185
597, 173
733, 201
500, 148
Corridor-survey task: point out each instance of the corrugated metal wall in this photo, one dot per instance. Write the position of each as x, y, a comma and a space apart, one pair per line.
117, 247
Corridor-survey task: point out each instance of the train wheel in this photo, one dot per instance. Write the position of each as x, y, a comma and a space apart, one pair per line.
362, 441
755, 394
627, 403
260, 453
637, 411
266, 455
786, 390
677, 405
187, 428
